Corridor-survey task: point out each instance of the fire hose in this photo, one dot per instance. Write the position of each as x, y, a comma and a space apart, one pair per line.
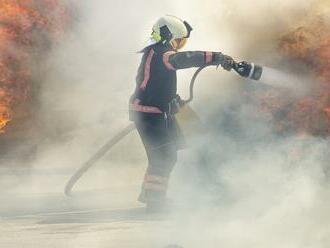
244, 69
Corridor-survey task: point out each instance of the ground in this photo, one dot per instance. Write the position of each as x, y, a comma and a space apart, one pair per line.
38, 214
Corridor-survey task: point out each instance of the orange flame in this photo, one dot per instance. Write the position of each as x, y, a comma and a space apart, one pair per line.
310, 115
21, 24
327, 111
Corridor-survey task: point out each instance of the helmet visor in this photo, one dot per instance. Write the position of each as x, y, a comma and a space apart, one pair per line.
179, 43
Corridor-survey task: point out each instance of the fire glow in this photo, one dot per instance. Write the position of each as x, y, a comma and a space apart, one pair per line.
308, 115
25, 26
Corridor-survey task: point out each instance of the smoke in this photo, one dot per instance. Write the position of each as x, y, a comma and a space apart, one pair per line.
298, 84
239, 185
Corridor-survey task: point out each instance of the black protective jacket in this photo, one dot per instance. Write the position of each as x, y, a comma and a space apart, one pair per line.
156, 81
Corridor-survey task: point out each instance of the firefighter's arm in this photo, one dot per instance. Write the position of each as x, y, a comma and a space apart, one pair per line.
183, 60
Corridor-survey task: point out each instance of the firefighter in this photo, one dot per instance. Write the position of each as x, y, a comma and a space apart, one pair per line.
155, 102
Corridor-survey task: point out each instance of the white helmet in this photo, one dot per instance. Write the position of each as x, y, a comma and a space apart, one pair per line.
170, 28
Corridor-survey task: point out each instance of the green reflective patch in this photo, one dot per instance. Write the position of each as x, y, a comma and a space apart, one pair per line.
156, 36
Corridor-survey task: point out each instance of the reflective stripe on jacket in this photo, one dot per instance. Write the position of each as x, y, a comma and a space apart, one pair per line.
156, 81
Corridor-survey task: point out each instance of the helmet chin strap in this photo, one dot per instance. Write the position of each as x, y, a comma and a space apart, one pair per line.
174, 44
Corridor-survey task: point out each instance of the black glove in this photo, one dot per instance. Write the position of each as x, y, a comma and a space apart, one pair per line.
225, 61
175, 105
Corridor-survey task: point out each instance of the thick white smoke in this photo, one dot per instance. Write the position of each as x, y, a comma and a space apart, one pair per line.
239, 185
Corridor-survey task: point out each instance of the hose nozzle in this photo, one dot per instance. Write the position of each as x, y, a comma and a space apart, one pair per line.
248, 70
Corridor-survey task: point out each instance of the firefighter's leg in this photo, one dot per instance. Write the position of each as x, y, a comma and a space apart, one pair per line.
162, 156
161, 162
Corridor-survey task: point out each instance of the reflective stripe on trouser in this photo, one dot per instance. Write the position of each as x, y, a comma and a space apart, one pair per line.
154, 189
155, 183
161, 163
161, 148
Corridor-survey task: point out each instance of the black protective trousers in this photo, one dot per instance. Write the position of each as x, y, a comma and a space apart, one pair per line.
162, 139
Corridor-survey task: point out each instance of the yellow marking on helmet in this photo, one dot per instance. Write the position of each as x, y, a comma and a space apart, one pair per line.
156, 36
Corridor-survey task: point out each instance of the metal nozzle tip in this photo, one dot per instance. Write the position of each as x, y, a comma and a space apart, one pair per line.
257, 72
